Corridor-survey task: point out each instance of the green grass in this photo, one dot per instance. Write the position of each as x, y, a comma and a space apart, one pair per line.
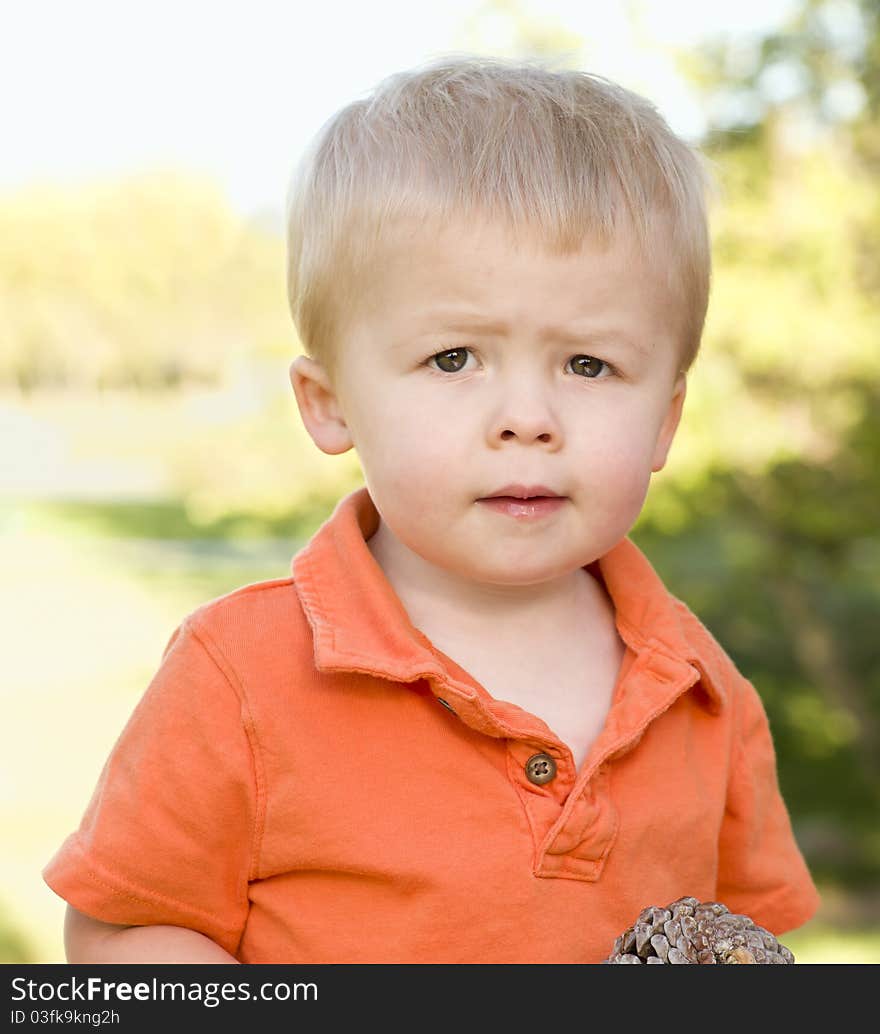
167, 520
824, 943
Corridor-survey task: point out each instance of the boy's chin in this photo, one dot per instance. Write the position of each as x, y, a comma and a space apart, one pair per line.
517, 572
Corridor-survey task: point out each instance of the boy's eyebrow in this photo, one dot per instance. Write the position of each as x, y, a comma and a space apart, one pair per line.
484, 325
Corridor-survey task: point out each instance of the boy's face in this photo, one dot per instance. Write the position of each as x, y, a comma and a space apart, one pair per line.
512, 398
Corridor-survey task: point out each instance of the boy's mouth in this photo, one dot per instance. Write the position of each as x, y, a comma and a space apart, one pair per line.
523, 502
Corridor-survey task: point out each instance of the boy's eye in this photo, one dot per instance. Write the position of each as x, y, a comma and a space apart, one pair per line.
587, 365
451, 361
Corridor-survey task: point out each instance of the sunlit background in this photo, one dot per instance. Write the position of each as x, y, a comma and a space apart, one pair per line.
151, 455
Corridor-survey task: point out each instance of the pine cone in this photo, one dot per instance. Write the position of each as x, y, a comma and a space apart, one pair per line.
688, 932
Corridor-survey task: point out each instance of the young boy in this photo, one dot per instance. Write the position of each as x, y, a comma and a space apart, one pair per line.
473, 726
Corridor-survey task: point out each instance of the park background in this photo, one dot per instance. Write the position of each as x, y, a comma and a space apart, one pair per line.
151, 455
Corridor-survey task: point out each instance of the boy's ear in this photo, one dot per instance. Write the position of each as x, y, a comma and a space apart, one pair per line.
670, 424
318, 406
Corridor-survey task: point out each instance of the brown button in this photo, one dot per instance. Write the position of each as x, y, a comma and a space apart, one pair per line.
540, 768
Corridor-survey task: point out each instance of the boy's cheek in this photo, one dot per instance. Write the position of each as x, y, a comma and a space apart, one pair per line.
408, 468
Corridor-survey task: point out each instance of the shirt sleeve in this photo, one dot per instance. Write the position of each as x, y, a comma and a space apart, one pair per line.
762, 872
169, 834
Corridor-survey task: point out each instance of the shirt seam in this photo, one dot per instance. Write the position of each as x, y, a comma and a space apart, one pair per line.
739, 747
221, 662
121, 887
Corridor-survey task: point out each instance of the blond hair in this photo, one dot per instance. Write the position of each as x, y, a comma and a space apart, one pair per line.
567, 155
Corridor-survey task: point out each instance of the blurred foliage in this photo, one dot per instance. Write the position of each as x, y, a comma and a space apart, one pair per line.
147, 283
168, 315
821, 68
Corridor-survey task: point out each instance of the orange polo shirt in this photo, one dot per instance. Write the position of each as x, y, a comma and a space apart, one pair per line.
308, 780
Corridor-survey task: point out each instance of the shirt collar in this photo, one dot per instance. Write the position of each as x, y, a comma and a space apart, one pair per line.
360, 625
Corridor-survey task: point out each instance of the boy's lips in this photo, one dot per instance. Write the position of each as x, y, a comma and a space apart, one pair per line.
523, 492
524, 502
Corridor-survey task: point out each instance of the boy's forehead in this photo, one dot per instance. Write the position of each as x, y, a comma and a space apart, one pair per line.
455, 246
450, 266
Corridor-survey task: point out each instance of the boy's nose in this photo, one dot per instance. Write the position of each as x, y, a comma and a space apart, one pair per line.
526, 420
